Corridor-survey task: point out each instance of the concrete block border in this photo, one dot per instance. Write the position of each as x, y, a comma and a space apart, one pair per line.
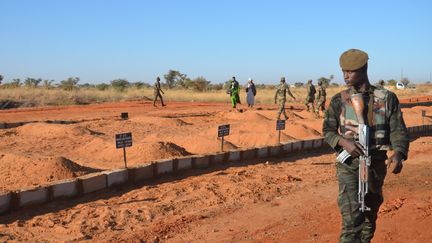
64, 188
5, 201
32, 196
94, 182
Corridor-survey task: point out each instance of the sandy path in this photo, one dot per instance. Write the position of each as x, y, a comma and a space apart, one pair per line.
280, 200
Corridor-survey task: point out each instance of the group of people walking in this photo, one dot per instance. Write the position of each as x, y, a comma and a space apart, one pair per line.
234, 92
280, 95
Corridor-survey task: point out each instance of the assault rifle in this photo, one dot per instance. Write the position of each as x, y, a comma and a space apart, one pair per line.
363, 140
357, 102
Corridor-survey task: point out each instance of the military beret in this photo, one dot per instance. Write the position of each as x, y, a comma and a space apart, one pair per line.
353, 59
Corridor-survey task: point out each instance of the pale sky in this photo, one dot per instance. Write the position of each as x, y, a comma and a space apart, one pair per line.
102, 40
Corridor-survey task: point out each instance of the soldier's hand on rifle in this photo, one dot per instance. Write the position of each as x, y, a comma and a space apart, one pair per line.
394, 163
351, 147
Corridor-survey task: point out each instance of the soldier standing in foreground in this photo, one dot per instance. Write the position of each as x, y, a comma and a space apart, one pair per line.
321, 99
157, 92
383, 115
310, 89
280, 97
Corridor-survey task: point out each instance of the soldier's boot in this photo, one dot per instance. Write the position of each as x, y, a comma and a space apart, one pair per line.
313, 108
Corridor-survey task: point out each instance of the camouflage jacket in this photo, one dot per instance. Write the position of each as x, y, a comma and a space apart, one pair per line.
310, 89
321, 92
282, 90
398, 134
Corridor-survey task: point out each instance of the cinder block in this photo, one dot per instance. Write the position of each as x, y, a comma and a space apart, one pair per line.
318, 143
275, 150
297, 146
64, 188
92, 182
184, 163
248, 154
308, 144
234, 156
164, 166
262, 152
218, 158
5, 201
287, 147
32, 196
410, 130
202, 161
142, 172
116, 177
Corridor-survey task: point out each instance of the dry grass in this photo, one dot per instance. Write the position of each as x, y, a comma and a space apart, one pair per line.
46, 97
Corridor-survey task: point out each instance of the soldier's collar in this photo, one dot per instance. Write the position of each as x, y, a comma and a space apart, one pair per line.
369, 89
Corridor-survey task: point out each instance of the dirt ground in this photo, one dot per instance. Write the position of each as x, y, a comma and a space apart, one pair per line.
290, 199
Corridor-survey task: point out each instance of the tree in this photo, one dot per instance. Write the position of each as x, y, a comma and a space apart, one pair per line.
47, 84
31, 82
326, 81
120, 84
175, 78
140, 85
298, 84
102, 86
15, 83
405, 81
200, 84
391, 82
69, 84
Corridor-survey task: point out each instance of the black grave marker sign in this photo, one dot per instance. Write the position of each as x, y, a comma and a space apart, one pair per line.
223, 130
280, 125
124, 115
124, 140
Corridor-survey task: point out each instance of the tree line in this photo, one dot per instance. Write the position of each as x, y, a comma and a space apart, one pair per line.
173, 80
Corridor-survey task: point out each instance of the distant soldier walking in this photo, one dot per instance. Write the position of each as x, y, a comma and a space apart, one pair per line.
280, 97
157, 92
310, 95
381, 84
320, 99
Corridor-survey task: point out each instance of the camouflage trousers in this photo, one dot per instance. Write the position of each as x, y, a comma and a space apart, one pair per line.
282, 109
320, 105
309, 100
358, 226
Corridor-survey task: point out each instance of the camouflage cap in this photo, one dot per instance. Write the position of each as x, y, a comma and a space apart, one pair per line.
282, 79
353, 59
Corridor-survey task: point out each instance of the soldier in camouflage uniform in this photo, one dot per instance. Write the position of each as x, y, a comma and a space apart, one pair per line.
280, 97
157, 92
321, 99
310, 90
388, 130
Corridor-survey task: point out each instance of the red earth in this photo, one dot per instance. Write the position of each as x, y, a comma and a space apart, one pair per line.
289, 199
